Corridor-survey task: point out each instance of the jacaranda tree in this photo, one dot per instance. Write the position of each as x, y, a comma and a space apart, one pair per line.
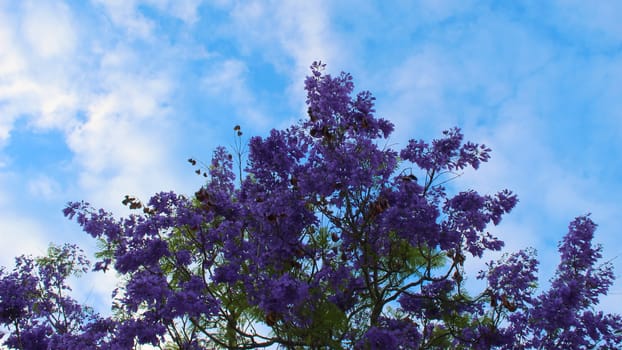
326, 239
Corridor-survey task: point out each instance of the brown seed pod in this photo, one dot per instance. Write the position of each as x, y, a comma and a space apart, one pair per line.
272, 318
508, 305
409, 178
334, 237
493, 299
457, 276
202, 195
127, 199
459, 259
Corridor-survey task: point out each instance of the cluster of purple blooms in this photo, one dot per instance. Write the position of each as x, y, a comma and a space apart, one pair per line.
329, 241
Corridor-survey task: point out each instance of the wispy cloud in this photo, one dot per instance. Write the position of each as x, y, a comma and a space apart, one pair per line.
20, 235
48, 29
288, 34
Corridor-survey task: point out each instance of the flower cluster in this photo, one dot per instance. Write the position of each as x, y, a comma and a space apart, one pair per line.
564, 316
36, 307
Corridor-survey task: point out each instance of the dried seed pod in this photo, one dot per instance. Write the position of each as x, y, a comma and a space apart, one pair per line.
493, 298
457, 277
508, 305
409, 178
334, 237
272, 318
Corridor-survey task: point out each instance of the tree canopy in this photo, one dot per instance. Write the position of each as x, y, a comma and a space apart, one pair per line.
322, 238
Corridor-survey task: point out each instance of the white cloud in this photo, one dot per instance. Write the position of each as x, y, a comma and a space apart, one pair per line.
48, 28
20, 235
229, 78
417, 89
11, 63
44, 187
126, 14
36, 49
124, 146
109, 100
306, 35
10, 58
123, 13
185, 10
286, 34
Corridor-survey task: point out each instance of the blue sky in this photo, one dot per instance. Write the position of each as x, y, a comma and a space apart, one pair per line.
104, 98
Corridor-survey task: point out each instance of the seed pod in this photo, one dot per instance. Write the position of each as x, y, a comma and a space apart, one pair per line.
508, 305
409, 178
127, 199
202, 195
459, 259
457, 277
334, 237
272, 318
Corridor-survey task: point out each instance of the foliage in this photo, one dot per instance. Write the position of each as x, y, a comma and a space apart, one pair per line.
328, 241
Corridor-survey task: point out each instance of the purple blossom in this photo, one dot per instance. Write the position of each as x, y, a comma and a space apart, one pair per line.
36, 308
562, 316
512, 279
283, 295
